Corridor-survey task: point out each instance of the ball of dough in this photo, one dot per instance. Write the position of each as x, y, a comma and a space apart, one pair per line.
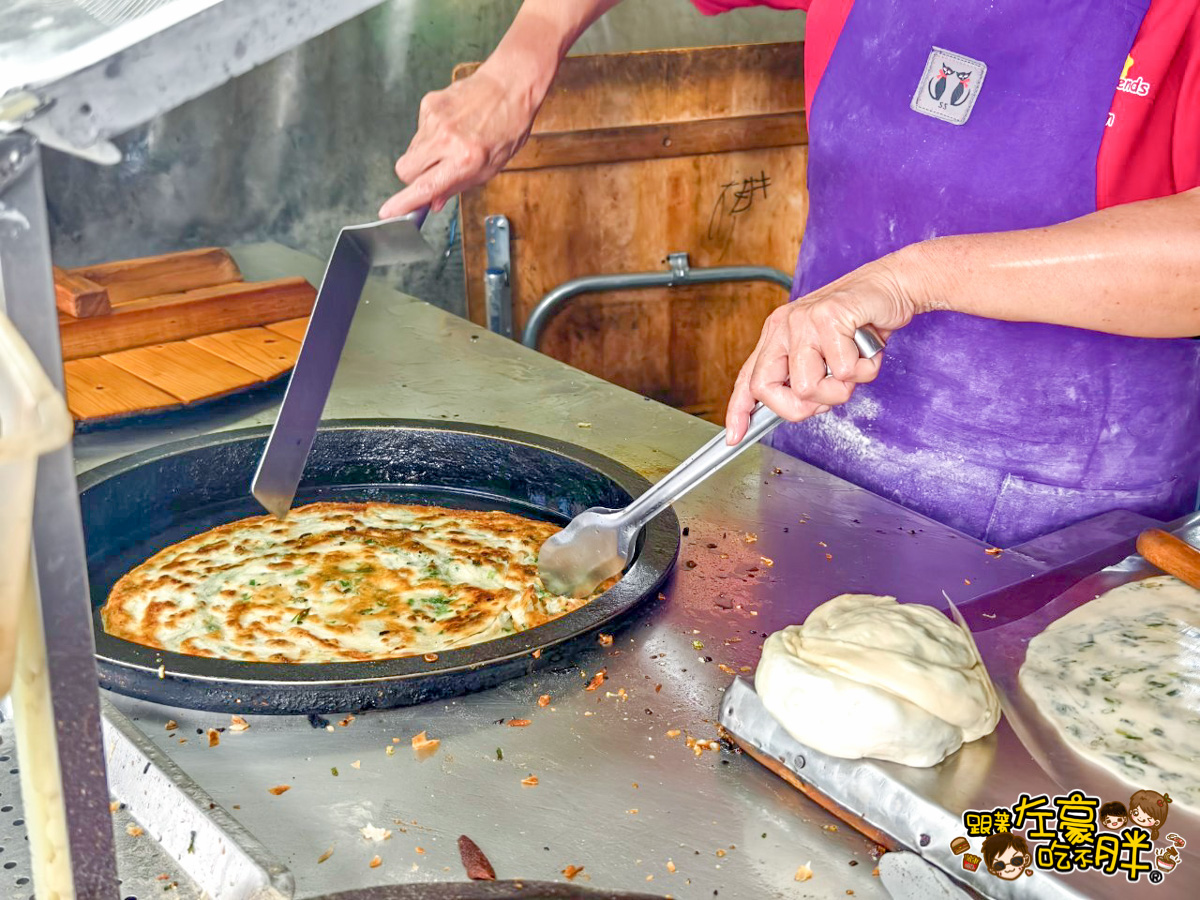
865, 676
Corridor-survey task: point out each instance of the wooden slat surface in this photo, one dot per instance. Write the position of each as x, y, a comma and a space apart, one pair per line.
132, 279
292, 328
265, 353
76, 296
184, 371
173, 317
678, 85
97, 389
609, 145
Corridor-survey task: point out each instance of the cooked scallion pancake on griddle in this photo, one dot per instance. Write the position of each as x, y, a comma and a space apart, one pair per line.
339, 582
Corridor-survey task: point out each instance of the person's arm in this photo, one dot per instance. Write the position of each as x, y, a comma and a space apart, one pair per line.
467, 132
1131, 270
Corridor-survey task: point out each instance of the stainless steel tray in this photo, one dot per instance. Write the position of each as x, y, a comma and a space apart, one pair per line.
921, 809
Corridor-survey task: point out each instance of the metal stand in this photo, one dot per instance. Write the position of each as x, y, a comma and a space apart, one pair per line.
27, 297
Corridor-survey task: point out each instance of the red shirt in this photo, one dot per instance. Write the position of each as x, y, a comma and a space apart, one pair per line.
1151, 147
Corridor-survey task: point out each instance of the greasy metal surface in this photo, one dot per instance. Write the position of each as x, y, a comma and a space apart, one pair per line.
588, 749
296, 148
922, 808
487, 890
187, 825
27, 297
143, 869
133, 508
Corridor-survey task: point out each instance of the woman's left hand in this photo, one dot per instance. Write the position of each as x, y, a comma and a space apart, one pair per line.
787, 370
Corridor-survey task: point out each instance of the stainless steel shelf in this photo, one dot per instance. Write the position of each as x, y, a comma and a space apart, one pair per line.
617, 794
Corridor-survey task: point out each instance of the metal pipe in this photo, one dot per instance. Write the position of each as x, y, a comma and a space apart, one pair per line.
677, 274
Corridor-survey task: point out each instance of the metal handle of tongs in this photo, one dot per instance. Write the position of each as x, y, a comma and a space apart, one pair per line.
717, 453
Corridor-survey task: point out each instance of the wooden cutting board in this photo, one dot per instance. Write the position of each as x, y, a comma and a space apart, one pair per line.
157, 334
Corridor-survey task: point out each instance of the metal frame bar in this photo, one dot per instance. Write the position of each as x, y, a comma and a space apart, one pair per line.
79, 112
27, 296
677, 274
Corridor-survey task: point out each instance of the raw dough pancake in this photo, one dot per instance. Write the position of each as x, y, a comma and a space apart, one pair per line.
1120, 676
339, 582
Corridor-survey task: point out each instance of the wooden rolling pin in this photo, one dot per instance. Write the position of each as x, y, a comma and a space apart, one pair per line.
1169, 553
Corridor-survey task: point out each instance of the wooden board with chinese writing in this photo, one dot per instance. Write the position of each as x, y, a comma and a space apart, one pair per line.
634, 156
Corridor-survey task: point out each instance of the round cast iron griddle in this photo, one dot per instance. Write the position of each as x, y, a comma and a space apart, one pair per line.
136, 506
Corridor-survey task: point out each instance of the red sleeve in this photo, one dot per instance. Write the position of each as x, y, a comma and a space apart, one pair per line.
714, 7
1187, 116
1151, 144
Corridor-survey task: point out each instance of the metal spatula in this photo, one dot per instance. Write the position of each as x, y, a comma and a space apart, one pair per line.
598, 543
358, 249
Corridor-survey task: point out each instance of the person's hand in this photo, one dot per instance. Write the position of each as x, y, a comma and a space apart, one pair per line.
787, 370
465, 135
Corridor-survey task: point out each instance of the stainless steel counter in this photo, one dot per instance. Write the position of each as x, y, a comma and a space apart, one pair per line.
616, 795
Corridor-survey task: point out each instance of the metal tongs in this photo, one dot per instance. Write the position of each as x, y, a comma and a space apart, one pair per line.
598, 543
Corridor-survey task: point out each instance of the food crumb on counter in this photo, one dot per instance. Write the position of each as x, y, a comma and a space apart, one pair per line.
605, 640
571, 871
519, 723
597, 680
424, 746
279, 789
357, 764
371, 833
237, 724
805, 872
375, 862
324, 856
133, 831
671, 866
544, 700
171, 725
346, 721
531, 781
214, 737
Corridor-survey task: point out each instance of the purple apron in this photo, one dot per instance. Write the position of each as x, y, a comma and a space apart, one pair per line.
1003, 430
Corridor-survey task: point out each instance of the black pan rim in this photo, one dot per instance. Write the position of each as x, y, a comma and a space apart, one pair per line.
651, 568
